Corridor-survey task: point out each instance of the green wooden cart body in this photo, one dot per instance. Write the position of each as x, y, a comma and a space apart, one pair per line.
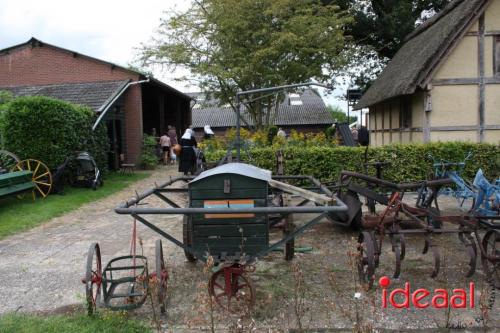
16, 182
230, 235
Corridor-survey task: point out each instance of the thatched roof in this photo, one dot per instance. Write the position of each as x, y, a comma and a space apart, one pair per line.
422, 52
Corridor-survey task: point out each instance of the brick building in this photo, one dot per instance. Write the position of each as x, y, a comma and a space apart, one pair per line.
127, 101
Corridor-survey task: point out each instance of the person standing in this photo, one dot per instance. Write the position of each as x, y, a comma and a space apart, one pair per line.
172, 134
354, 132
364, 136
187, 158
165, 144
281, 133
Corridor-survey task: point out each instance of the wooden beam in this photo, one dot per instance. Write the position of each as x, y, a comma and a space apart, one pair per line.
426, 122
482, 87
309, 195
465, 81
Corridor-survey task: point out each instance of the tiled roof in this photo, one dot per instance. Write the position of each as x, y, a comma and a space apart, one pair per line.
96, 95
312, 112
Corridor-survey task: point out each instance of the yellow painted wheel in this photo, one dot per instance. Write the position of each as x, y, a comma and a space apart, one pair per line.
42, 178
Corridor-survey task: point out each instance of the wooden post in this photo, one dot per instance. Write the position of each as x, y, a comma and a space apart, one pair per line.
482, 87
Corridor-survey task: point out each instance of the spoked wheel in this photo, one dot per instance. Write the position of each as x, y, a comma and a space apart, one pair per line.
8, 161
93, 278
232, 290
42, 178
186, 237
491, 262
161, 275
366, 259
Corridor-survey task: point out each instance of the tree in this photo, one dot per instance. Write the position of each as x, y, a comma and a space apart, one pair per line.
231, 46
339, 115
379, 29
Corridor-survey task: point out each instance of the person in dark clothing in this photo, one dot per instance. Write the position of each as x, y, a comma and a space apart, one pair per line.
363, 136
187, 161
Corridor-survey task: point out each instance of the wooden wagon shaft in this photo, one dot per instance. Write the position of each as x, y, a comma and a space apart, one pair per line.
309, 195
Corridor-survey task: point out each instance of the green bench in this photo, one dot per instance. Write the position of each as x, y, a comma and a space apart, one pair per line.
16, 182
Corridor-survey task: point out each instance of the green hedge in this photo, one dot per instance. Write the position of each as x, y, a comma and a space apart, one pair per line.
407, 162
49, 130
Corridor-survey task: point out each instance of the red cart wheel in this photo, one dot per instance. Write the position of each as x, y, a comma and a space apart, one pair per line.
93, 278
232, 290
366, 259
491, 265
162, 276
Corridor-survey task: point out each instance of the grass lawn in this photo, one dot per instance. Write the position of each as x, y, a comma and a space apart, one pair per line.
106, 322
21, 214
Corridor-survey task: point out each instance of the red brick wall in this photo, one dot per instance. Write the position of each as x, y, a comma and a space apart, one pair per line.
46, 65
133, 122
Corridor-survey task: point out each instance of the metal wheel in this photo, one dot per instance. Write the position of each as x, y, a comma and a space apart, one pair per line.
491, 265
8, 161
186, 237
161, 275
366, 259
93, 278
42, 178
232, 290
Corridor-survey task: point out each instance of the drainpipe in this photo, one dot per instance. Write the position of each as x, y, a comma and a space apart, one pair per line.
103, 112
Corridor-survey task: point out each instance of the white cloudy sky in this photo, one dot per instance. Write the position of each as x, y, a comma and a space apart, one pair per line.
108, 30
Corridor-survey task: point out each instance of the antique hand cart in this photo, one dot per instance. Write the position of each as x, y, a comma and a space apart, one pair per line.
231, 209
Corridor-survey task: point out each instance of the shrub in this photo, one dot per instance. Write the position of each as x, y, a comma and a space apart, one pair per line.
407, 162
50, 130
148, 159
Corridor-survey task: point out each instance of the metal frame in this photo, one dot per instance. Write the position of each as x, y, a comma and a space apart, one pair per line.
131, 208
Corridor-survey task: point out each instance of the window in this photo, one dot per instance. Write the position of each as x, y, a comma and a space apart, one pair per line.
294, 99
406, 111
496, 59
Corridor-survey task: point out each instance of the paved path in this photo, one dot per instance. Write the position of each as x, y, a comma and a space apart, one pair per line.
41, 269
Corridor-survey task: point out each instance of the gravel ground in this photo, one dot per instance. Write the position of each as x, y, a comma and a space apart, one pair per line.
41, 270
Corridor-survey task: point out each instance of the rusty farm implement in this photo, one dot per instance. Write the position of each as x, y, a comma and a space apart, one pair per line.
477, 229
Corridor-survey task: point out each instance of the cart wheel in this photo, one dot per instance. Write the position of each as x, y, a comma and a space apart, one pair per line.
366, 259
290, 245
42, 178
93, 278
491, 266
161, 275
240, 299
8, 161
186, 237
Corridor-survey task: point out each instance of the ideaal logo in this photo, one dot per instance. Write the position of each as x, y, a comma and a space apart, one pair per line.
422, 298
